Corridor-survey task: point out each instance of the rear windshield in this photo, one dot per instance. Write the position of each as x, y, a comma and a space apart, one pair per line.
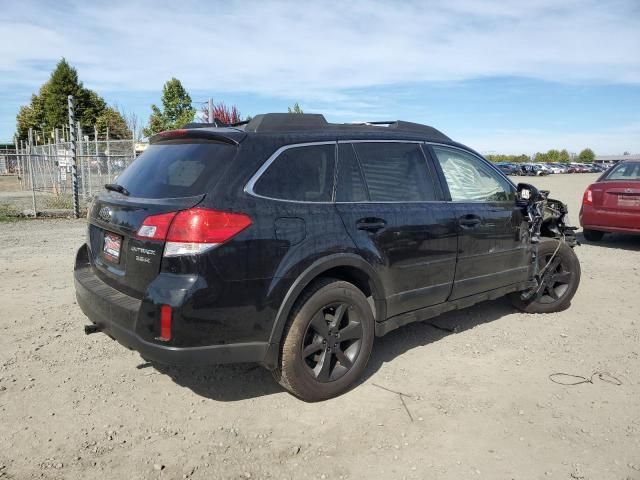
624, 171
176, 169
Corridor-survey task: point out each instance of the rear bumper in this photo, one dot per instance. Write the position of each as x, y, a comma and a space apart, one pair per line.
116, 314
609, 220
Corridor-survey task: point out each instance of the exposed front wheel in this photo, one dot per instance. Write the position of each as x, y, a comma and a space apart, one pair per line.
559, 271
592, 235
327, 342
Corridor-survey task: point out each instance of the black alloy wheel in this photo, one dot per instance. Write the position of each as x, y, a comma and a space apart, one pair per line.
327, 340
558, 279
332, 341
555, 281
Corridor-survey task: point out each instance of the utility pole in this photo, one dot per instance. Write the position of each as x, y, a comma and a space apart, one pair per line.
211, 119
74, 163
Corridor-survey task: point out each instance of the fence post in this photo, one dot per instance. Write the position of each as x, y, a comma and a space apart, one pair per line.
74, 163
108, 157
15, 144
23, 181
80, 156
87, 161
33, 183
95, 142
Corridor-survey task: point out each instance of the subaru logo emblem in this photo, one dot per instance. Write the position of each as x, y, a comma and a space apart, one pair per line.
104, 214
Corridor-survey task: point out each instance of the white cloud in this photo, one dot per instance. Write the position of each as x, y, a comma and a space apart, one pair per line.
319, 50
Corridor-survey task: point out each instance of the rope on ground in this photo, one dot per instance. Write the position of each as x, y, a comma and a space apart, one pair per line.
570, 379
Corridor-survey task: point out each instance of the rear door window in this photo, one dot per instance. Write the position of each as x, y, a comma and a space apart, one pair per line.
173, 170
303, 174
395, 172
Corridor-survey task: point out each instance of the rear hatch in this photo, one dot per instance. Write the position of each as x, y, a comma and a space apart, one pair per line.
170, 176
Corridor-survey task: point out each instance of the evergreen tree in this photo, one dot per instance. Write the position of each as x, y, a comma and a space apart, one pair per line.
49, 108
176, 109
113, 119
295, 109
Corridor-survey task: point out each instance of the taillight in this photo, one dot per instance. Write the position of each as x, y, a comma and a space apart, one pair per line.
587, 199
156, 227
198, 229
192, 231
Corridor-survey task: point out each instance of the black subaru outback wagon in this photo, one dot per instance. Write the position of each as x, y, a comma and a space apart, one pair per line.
293, 242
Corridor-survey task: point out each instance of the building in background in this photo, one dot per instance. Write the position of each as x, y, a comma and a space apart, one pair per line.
615, 158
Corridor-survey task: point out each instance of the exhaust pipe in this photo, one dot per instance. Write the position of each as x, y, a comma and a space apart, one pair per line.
93, 328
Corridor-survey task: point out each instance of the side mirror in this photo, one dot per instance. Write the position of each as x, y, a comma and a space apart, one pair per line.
527, 194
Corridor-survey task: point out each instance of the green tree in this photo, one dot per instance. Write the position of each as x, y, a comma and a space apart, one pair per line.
540, 157
49, 108
564, 156
295, 109
553, 155
63, 82
30, 116
586, 155
114, 120
176, 109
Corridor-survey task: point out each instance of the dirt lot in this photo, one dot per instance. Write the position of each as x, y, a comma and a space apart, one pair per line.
476, 404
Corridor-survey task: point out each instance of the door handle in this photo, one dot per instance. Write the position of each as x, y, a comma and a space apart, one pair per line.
371, 224
469, 221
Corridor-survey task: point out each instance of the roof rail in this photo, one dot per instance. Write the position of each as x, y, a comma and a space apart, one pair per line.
289, 122
280, 122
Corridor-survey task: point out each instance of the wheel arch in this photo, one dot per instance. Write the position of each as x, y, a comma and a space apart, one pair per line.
342, 266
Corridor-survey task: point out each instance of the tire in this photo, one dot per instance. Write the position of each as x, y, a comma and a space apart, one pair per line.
321, 320
561, 279
592, 235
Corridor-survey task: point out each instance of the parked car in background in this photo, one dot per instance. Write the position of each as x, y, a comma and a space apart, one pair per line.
581, 168
570, 168
533, 170
544, 167
612, 203
556, 167
507, 168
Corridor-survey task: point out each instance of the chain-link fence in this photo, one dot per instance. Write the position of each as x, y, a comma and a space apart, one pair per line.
46, 170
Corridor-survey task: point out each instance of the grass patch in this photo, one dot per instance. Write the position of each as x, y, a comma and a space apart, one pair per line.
8, 213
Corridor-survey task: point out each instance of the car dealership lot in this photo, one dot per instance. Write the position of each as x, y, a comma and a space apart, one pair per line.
433, 404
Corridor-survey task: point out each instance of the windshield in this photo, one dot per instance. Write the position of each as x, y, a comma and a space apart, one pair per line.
176, 169
624, 171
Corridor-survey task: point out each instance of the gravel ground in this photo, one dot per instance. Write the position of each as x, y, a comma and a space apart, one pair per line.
475, 404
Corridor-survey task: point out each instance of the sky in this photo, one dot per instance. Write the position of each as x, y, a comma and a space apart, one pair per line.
499, 76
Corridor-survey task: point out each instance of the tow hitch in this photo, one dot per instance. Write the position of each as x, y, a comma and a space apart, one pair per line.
93, 328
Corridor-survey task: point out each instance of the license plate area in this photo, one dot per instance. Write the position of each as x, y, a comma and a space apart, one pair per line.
112, 246
628, 201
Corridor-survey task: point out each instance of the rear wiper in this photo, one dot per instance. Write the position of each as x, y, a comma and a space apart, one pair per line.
116, 188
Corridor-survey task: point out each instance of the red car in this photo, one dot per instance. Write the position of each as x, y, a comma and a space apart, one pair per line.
612, 203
